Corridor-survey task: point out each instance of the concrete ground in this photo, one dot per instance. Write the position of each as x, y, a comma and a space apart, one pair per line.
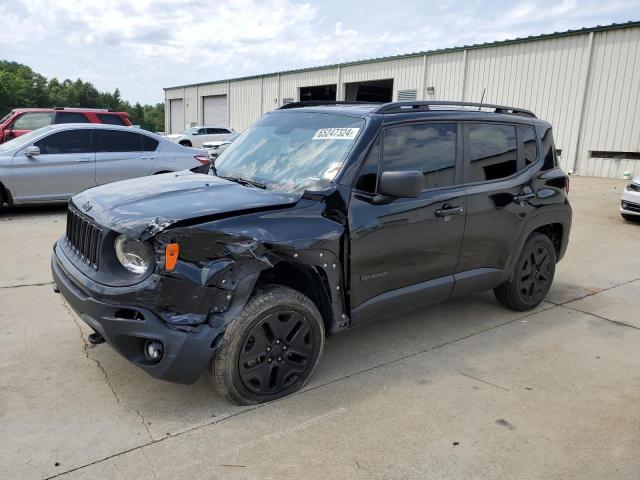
465, 389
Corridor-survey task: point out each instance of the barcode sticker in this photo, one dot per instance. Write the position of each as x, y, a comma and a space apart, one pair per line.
336, 134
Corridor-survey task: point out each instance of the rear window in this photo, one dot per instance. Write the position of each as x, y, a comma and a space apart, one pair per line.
111, 119
71, 117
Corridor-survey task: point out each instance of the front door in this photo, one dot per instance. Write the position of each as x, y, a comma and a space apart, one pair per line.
404, 251
64, 167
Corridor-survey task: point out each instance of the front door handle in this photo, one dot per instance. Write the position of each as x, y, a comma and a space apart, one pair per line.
147, 158
448, 211
83, 159
521, 197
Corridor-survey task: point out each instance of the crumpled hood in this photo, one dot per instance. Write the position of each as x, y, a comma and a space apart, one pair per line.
142, 207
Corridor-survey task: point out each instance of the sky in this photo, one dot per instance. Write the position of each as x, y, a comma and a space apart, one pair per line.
142, 46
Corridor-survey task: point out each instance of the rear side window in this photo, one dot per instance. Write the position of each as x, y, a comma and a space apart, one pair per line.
111, 119
71, 117
429, 148
149, 144
527, 136
493, 152
548, 150
67, 142
118, 141
32, 121
217, 131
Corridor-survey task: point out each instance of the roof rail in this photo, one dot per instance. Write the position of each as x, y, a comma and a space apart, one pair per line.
318, 103
404, 107
84, 109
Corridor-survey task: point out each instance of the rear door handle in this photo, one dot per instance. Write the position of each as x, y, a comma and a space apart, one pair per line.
447, 212
524, 196
147, 158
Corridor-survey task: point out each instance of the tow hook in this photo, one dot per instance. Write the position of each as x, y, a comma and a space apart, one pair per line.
55, 288
96, 339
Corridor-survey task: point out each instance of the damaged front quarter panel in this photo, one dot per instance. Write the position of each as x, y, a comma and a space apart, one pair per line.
223, 259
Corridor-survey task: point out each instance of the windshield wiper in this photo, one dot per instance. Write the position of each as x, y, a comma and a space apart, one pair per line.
245, 182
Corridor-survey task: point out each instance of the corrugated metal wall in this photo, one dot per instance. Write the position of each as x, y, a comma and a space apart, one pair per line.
586, 84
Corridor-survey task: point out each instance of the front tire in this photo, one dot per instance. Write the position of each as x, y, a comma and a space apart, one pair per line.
270, 349
630, 218
532, 275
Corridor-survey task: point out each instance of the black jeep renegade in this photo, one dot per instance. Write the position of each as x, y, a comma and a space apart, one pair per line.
316, 219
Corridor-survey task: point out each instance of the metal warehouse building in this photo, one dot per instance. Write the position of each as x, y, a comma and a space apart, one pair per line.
585, 82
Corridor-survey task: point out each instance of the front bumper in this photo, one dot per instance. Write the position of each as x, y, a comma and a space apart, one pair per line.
127, 327
630, 202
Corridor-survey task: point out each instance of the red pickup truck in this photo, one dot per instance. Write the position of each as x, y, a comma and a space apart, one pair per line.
22, 120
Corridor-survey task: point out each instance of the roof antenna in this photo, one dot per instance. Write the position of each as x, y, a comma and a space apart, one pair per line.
482, 97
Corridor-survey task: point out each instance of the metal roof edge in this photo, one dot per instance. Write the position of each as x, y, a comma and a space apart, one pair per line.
544, 36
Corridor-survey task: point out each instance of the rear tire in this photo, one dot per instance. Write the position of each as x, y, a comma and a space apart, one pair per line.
270, 349
532, 275
630, 218
185, 143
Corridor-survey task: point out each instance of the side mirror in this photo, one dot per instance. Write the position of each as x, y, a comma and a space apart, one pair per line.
32, 151
401, 184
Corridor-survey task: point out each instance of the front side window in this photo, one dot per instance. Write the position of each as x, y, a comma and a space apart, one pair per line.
71, 117
429, 148
291, 151
118, 141
493, 152
33, 121
66, 142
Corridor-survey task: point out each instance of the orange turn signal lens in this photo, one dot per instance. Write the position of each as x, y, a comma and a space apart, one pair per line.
171, 256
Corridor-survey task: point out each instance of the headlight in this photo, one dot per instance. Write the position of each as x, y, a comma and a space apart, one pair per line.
134, 255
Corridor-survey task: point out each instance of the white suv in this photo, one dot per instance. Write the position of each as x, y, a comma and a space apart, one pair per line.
195, 136
630, 202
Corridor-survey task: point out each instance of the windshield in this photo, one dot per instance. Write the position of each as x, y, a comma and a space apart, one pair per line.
22, 139
291, 151
6, 117
190, 131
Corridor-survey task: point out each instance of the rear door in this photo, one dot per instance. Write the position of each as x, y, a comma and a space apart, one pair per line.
500, 195
121, 155
64, 167
404, 251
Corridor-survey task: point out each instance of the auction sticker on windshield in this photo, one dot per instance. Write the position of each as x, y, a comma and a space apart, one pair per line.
336, 134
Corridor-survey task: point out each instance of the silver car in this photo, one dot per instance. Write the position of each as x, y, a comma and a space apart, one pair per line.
53, 163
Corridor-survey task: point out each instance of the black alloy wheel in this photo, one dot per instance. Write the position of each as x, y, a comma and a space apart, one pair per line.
276, 352
270, 348
532, 276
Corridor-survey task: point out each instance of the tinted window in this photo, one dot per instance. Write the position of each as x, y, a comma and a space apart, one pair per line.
32, 121
492, 151
118, 141
548, 150
111, 119
368, 178
69, 141
217, 131
528, 141
428, 148
149, 144
71, 117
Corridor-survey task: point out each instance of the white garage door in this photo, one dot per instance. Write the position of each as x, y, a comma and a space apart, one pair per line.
215, 110
176, 110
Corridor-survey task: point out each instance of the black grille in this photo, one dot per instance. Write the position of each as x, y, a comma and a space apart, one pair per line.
634, 186
632, 207
84, 236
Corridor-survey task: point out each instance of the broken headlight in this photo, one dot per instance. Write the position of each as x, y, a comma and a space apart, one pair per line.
134, 255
